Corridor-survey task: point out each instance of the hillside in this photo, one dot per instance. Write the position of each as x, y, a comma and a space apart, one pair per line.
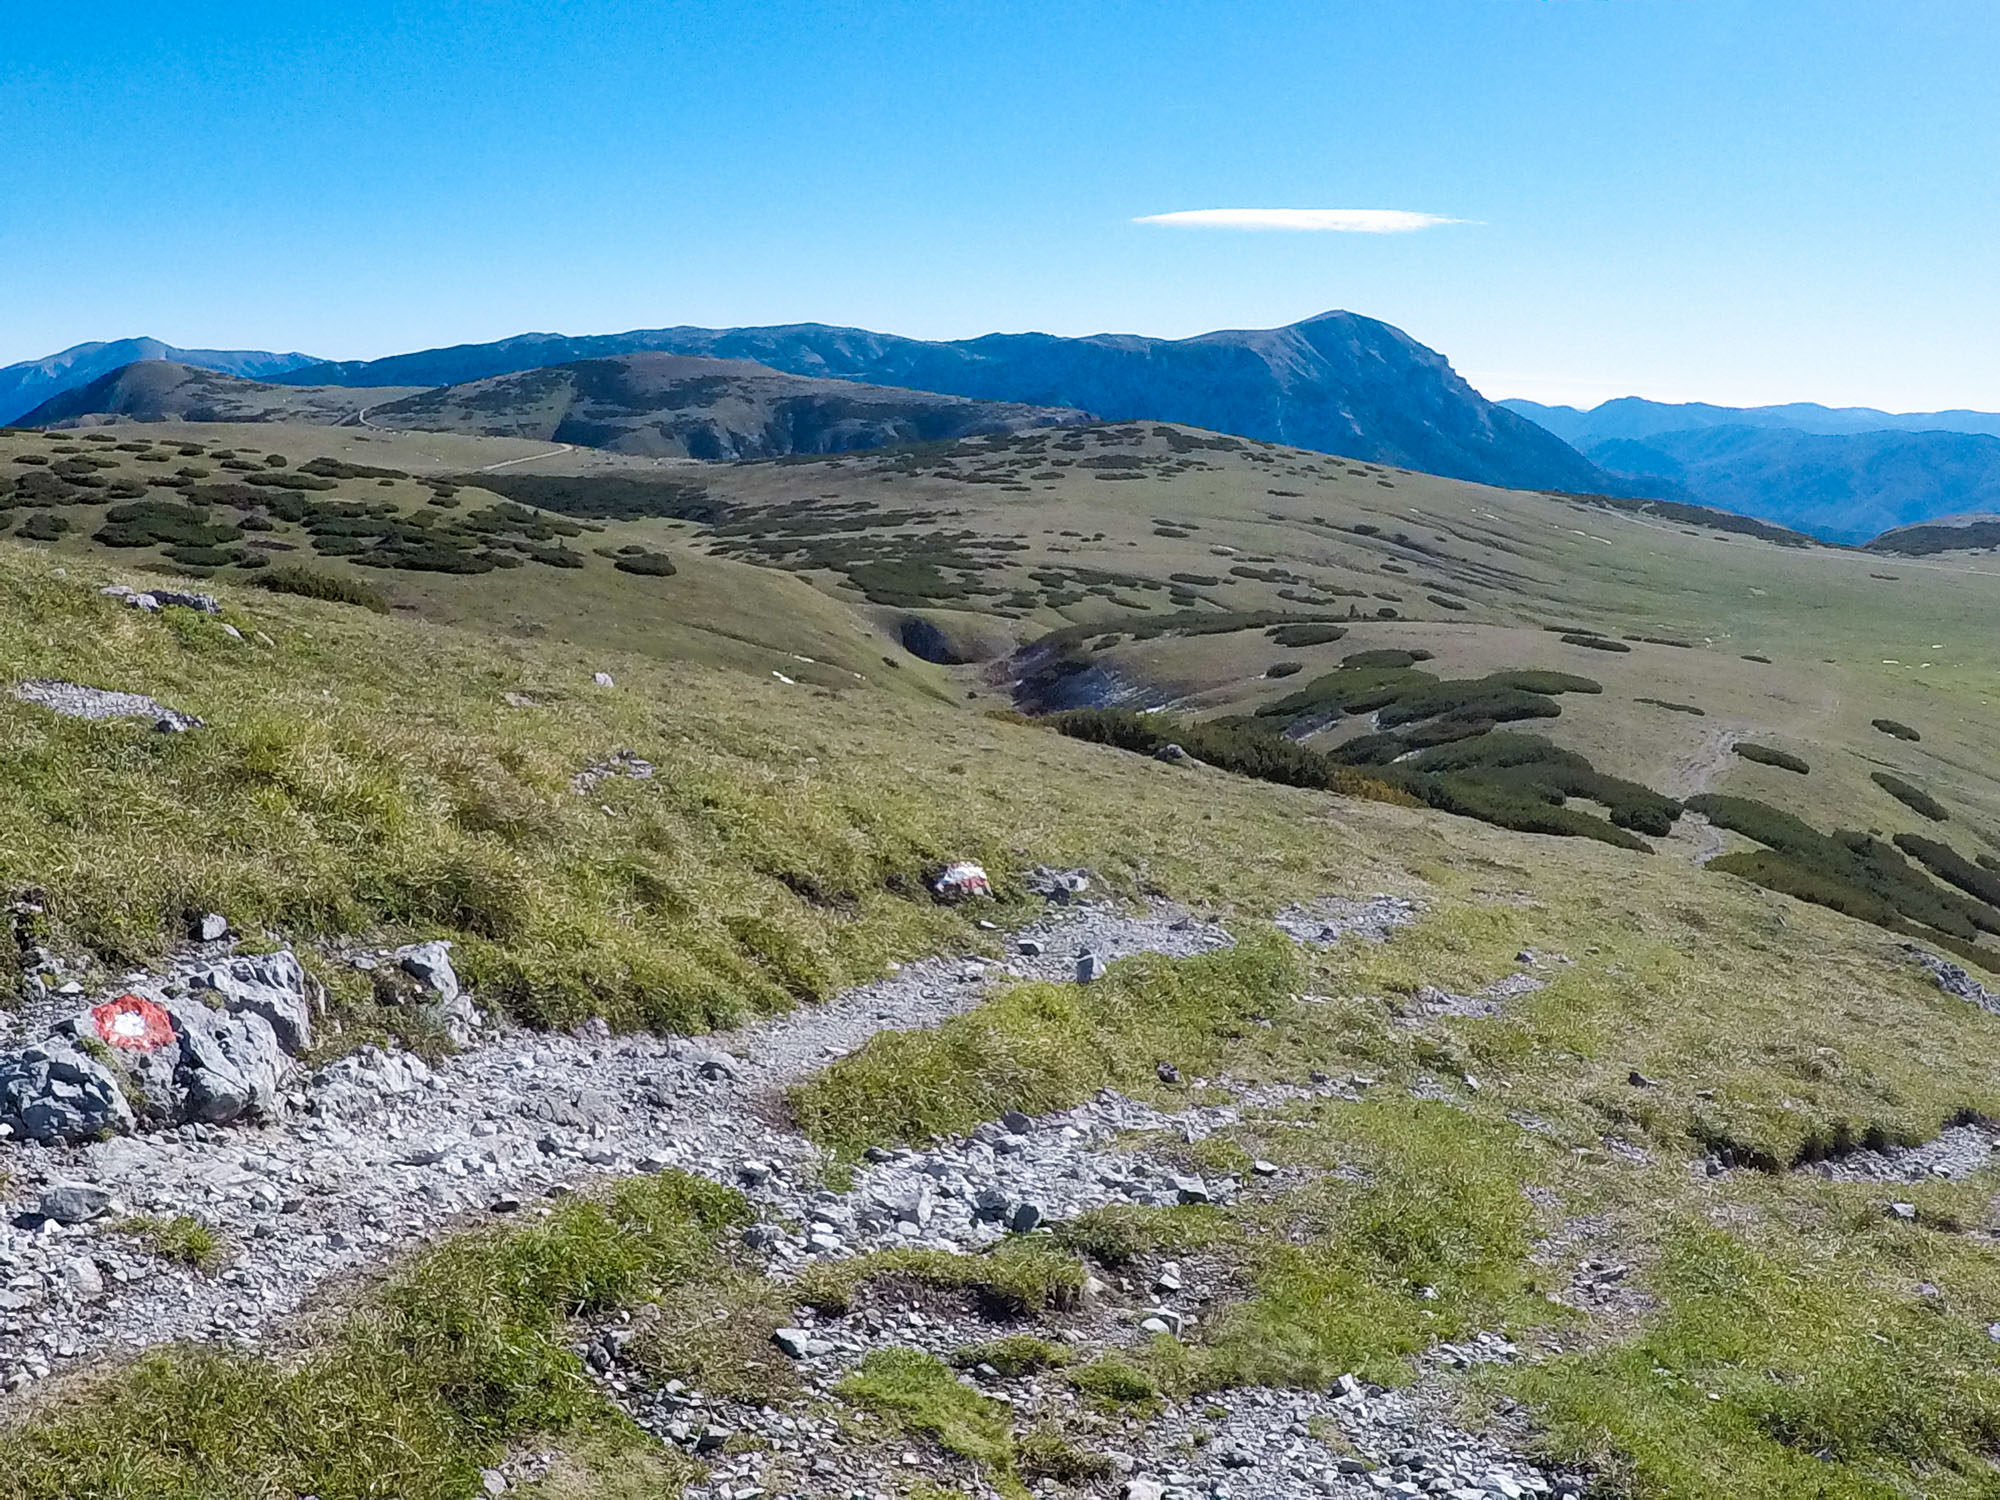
1510, 993
164, 390
26, 385
1337, 383
1946, 534
664, 405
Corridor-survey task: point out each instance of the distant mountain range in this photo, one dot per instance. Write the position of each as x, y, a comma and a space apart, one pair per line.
1636, 417
25, 386
655, 404
1337, 383
1842, 474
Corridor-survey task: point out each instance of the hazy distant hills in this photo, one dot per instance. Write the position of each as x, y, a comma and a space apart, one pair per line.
1635, 417
1338, 383
1843, 474
163, 390
673, 405
25, 386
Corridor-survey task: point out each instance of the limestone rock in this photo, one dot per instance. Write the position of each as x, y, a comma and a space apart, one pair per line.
73, 1202
271, 985
54, 1092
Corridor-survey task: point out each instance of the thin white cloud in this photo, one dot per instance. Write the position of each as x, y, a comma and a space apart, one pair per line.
1336, 220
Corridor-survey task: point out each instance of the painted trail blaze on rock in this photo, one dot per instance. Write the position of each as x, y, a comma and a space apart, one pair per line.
960, 881
133, 1022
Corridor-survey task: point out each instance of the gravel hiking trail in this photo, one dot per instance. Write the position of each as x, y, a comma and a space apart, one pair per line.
377, 1154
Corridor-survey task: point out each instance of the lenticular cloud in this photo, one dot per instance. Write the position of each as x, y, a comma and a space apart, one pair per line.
1338, 220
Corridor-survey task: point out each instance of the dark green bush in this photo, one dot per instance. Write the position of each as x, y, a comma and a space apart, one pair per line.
1672, 707
1846, 871
1899, 730
146, 523
1230, 747
316, 583
1284, 669
43, 526
1911, 796
1384, 660
647, 565
1295, 637
1593, 642
1766, 755
204, 557
333, 468
1946, 862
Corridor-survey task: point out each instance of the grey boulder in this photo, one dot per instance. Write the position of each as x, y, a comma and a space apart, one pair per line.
73, 1202
219, 1068
55, 1092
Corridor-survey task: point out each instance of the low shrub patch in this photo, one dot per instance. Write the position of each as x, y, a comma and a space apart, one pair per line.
1900, 730
1294, 637
1910, 795
1593, 642
1766, 755
317, 583
647, 565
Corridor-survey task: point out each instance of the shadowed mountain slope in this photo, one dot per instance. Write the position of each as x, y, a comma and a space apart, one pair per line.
1337, 383
667, 405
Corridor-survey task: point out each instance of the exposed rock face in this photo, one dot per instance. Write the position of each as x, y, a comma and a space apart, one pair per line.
74, 701
55, 1092
73, 1202
217, 1067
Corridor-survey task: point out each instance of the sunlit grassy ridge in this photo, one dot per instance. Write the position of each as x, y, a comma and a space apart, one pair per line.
357, 774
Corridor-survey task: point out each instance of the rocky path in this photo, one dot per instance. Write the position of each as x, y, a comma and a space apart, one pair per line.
378, 1154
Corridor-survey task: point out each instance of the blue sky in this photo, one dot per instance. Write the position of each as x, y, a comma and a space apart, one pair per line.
1732, 200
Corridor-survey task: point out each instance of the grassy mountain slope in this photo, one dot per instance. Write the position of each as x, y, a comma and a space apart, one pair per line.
1129, 566
363, 773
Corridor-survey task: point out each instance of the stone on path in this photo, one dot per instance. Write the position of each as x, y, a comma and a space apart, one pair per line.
73, 1202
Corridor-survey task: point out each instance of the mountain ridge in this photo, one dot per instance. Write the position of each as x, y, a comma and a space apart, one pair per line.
1337, 382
